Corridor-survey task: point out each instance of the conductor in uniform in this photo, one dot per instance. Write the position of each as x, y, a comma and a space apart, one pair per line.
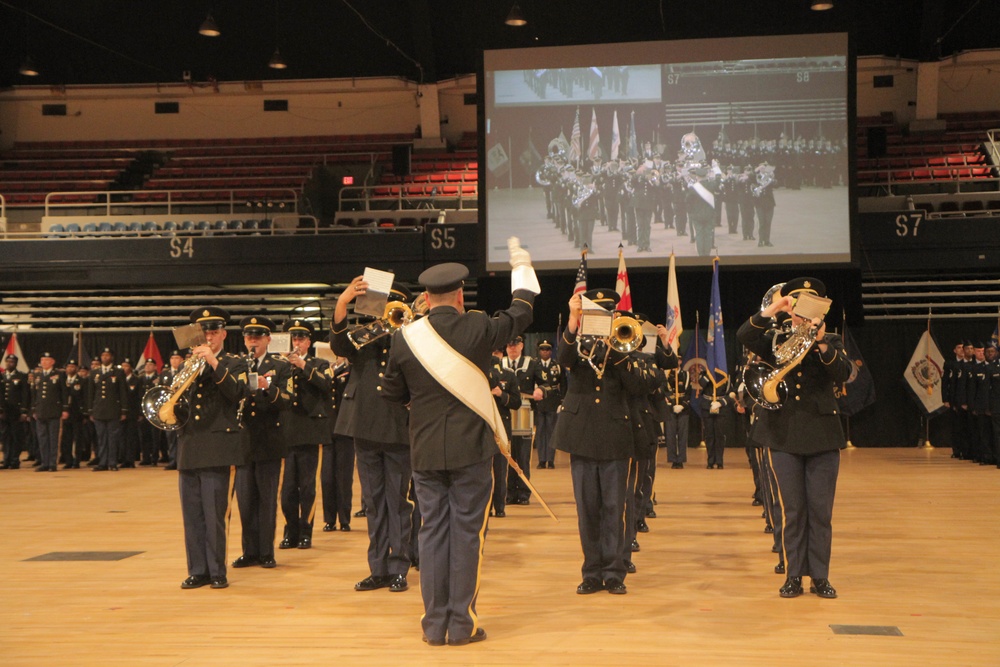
208, 444
805, 438
307, 428
438, 368
257, 480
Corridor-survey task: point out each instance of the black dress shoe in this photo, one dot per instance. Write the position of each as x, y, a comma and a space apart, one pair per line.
42, 469
552, 465
288, 543
630, 567
768, 529
720, 466
676, 466
642, 526
145, 463
170, 466
540, 466
708, 467
779, 568
346, 527
615, 587
246, 561
305, 543
195, 582
462, 641
822, 588
433, 642
100, 469
634, 546
220, 582
372, 583
360, 512
589, 586
268, 562
792, 588
500, 514
113, 468
756, 503
398, 583
650, 514
329, 527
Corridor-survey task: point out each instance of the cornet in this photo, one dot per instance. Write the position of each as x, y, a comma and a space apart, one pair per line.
397, 315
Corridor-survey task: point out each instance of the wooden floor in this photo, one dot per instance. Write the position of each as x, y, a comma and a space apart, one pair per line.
916, 547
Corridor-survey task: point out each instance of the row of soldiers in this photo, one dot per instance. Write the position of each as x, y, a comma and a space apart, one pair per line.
798, 162
652, 190
565, 81
970, 389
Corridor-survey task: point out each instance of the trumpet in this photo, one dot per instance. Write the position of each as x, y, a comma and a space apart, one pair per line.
396, 316
166, 408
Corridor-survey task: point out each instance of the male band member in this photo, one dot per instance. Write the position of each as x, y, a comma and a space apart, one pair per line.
593, 428
133, 415
805, 439
208, 444
548, 397
337, 475
108, 410
16, 400
167, 379
678, 402
452, 443
72, 444
949, 383
87, 437
979, 406
257, 479
382, 446
307, 428
713, 400
520, 445
48, 408
149, 437
507, 394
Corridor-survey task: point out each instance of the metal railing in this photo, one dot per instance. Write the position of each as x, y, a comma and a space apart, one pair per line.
114, 198
401, 198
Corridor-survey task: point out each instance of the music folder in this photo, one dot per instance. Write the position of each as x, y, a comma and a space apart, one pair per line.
373, 301
189, 335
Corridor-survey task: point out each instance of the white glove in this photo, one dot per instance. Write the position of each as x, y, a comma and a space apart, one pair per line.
714, 407
522, 275
678, 409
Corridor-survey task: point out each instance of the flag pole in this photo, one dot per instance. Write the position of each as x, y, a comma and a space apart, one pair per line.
843, 387
697, 385
510, 164
930, 387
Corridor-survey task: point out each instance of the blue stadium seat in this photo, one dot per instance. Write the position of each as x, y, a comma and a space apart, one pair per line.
236, 225
219, 226
202, 226
90, 228
187, 226
264, 225
73, 229
170, 227
56, 231
149, 227
251, 225
120, 227
104, 227
134, 227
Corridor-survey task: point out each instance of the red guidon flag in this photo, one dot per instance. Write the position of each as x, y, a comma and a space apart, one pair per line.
621, 285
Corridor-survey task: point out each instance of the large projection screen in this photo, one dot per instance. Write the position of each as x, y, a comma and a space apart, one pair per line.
598, 144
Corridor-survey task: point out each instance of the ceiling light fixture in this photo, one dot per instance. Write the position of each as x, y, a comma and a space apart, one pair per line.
821, 5
28, 67
277, 62
516, 17
208, 28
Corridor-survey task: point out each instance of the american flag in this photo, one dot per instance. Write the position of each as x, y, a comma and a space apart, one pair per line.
581, 273
574, 140
595, 138
621, 285
616, 140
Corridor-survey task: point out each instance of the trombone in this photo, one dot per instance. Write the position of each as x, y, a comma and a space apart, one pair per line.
626, 336
397, 315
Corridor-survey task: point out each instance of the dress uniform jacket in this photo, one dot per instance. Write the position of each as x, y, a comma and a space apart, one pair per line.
265, 409
594, 421
109, 394
213, 435
362, 413
979, 388
808, 421
16, 395
135, 394
549, 378
48, 396
510, 396
444, 434
307, 421
644, 429
76, 393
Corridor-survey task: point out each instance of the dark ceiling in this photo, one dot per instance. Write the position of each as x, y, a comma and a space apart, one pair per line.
140, 41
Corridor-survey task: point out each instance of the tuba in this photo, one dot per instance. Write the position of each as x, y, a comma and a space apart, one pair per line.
166, 408
766, 383
397, 315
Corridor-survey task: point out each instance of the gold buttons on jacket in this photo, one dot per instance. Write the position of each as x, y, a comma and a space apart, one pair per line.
597, 388
379, 388
383, 363
798, 398
381, 375
597, 400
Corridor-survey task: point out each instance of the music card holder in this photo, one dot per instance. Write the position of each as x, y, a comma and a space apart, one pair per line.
281, 343
189, 335
323, 351
649, 331
373, 301
810, 306
595, 321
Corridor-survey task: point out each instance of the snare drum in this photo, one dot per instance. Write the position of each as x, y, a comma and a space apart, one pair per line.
522, 420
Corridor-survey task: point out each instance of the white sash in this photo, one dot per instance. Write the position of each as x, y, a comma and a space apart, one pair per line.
459, 376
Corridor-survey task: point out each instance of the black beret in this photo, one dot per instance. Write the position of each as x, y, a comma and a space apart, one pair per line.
299, 327
605, 298
811, 285
444, 278
210, 318
257, 324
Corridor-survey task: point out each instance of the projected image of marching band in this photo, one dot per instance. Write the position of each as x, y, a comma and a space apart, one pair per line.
573, 85
746, 160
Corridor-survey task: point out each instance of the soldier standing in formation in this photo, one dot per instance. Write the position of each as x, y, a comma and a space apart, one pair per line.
108, 410
48, 408
548, 393
337, 476
73, 447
